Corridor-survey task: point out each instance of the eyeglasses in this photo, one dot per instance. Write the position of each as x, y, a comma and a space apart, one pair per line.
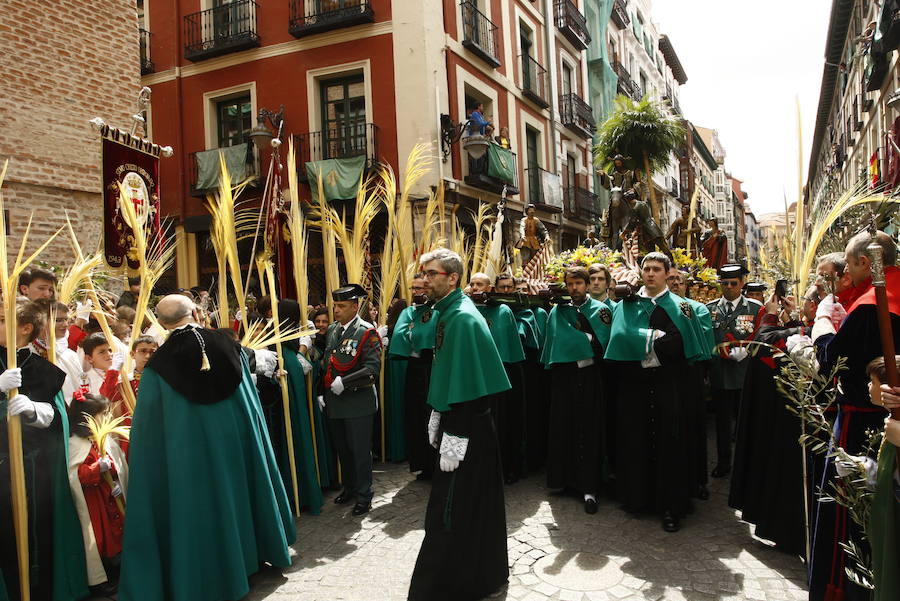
431, 274
730, 284
416, 288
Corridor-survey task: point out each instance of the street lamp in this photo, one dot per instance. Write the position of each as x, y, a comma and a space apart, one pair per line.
261, 134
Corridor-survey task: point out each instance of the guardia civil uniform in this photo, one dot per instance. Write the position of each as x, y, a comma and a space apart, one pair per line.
353, 354
733, 323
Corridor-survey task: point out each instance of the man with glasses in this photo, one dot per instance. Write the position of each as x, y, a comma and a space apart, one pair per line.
733, 318
413, 342
464, 553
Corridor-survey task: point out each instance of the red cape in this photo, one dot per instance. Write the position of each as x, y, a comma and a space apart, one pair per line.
892, 286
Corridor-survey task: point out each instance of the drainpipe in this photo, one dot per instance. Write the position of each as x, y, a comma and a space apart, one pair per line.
179, 139
550, 58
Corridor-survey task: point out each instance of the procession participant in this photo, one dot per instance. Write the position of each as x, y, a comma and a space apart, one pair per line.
832, 277
315, 350
768, 479
652, 340
98, 484
857, 339
103, 365
35, 283
599, 284
522, 286
394, 387
577, 336
464, 554
66, 359
291, 316
505, 283
129, 298
509, 406
756, 291
352, 360
207, 506
413, 341
56, 551
692, 393
733, 317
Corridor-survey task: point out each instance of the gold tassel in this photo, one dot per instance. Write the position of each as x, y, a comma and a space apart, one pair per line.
204, 361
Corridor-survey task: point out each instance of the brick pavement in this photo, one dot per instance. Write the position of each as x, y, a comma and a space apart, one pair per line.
556, 551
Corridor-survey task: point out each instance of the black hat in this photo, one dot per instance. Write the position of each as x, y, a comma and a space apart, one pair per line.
349, 292
732, 270
755, 287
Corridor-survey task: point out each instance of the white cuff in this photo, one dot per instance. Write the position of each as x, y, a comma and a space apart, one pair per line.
43, 416
454, 447
822, 327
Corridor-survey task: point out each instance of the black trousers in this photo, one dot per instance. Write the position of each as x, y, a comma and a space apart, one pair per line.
727, 404
352, 439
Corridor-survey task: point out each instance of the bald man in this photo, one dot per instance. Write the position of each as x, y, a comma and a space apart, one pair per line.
206, 504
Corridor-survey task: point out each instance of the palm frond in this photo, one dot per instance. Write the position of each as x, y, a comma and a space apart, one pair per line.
636, 128
103, 426
263, 334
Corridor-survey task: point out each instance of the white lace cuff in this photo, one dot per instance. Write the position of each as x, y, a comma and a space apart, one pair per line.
454, 447
434, 422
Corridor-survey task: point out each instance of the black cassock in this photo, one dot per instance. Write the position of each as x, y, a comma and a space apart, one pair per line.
653, 474
767, 478
693, 399
418, 375
537, 408
576, 443
509, 417
858, 340
463, 556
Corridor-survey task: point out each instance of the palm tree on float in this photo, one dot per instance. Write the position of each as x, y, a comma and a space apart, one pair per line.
644, 130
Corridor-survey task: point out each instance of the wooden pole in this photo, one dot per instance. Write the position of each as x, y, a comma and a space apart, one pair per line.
649, 176
383, 405
285, 397
16, 455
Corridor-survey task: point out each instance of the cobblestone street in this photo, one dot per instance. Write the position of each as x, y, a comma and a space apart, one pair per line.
556, 551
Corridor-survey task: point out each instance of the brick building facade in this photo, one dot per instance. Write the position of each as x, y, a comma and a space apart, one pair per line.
62, 64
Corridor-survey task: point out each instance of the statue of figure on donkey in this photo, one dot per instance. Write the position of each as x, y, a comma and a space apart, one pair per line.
628, 212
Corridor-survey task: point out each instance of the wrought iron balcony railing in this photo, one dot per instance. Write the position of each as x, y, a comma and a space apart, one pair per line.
580, 203
338, 143
479, 34
572, 24
625, 84
220, 30
576, 114
673, 186
480, 175
620, 14
534, 177
146, 63
534, 81
315, 16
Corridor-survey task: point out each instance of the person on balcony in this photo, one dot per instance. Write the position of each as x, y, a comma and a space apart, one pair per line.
479, 125
503, 139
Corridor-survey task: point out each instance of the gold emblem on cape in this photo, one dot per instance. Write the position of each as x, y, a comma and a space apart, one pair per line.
426, 316
439, 337
686, 310
605, 315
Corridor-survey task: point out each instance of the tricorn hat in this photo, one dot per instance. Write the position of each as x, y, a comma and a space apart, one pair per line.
618, 157
755, 287
349, 292
732, 270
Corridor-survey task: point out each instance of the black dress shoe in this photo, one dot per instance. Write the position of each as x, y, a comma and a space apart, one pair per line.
720, 471
590, 506
344, 498
702, 492
670, 522
423, 476
362, 507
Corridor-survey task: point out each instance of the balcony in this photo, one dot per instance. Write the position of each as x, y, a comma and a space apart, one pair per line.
479, 34
572, 24
534, 81
673, 186
581, 204
210, 183
625, 84
309, 17
534, 175
620, 14
487, 174
576, 114
341, 143
220, 30
146, 63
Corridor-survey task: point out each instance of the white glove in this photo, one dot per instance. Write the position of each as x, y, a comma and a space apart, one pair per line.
832, 310
849, 464
21, 405
117, 490
589, 337
434, 423
797, 339
83, 310
448, 464
266, 362
118, 361
304, 364
11, 378
337, 387
238, 316
105, 464
321, 400
738, 353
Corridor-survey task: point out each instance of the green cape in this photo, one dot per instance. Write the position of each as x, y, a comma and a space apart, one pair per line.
466, 363
629, 339
884, 529
206, 504
414, 331
304, 454
502, 324
69, 564
702, 323
327, 460
530, 331
565, 342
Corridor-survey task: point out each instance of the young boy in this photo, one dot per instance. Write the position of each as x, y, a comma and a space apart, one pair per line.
143, 349
103, 375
